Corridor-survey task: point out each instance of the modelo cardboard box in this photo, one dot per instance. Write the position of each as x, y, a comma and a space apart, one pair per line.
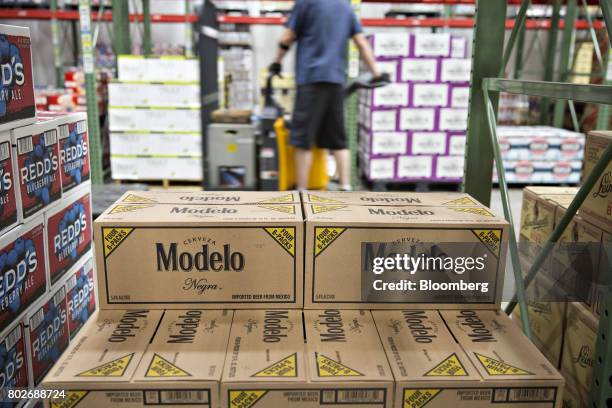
14, 371
267, 364
200, 256
38, 166
22, 272
387, 198
116, 360
10, 206
68, 230
437, 368
598, 203
504, 358
17, 96
388, 257
579, 346
344, 353
209, 197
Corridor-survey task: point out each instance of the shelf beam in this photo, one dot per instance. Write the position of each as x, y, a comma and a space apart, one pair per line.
601, 94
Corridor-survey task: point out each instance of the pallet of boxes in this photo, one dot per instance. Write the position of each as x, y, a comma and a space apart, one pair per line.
46, 265
566, 296
276, 299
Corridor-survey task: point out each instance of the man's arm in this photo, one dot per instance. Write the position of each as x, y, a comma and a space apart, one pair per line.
365, 51
286, 41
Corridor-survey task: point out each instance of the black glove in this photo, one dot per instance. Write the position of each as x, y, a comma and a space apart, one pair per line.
384, 78
275, 68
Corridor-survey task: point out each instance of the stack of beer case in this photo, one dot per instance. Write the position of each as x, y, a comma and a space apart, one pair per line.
46, 266
414, 128
260, 299
154, 119
566, 333
541, 154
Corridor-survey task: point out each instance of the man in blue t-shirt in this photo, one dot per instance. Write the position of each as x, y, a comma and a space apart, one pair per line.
322, 29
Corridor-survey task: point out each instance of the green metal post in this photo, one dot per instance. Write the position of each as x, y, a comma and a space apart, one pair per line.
188, 31
146, 23
121, 27
93, 119
601, 389
518, 57
55, 41
519, 25
603, 116
549, 63
582, 194
351, 108
503, 187
489, 31
567, 45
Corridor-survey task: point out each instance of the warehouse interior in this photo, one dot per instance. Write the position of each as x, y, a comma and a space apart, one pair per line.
224, 203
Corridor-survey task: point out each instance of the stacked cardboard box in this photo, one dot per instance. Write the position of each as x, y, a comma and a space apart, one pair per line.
210, 250
541, 154
45, 226
154, 118
414, 129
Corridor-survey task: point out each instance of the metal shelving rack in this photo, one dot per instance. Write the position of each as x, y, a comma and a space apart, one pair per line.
483, 150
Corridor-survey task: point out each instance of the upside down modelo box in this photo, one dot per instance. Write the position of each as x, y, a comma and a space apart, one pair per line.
388, 198
200, 256
22, 269
68, 227
370, 256
38, 166
17, 102
209, 197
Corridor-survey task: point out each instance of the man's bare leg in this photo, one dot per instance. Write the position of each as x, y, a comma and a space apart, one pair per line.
343, 168
303, 163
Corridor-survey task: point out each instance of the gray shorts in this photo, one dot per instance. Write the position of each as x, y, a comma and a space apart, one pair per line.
318, 117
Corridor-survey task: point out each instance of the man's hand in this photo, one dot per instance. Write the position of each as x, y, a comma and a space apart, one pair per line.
275, 68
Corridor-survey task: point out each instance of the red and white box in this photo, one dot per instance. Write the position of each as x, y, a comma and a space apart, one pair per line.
14, 368
23, 276
17, 100
68, 231
46, 334
10, 207
38, 166
81, 296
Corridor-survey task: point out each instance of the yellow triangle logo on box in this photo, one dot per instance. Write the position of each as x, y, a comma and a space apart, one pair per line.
288, 198
113, 237
450, 367
286, 209
462, 201
496, 367
318, 199
475, 210
285, 236
124, 208
418, 398
287, 367
324, 236
326, 367
114, 368
160, 367
318, 209
71, 399
491, 239
133, 198
245, 398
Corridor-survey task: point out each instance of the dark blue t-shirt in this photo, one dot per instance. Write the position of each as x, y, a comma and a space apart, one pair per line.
323, 28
